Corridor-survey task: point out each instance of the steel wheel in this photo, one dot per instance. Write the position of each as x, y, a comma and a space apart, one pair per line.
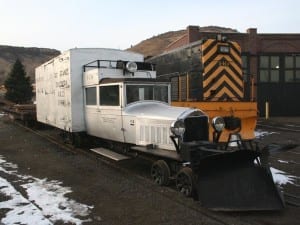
160, 172
185, 181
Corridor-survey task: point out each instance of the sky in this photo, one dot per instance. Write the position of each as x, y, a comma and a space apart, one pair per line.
121, 23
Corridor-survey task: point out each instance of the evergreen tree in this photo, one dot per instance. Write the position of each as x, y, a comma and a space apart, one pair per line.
17, 84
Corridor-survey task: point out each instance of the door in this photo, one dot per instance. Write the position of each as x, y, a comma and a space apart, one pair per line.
91, 110
110, 113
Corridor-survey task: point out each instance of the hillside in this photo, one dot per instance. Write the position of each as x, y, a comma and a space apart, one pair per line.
156, 44
30, 58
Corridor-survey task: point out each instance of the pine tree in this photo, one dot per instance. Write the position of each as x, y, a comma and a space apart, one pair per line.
17, 84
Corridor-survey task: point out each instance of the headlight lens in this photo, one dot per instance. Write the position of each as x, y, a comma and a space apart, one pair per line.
224, 49
218, 123
131, 67
178, 128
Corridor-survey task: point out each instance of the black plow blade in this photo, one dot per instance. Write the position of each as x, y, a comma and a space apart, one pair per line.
233, 182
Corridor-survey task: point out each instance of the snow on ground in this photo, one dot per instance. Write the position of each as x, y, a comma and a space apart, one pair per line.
44, 203
281, 178
283, 161
21, 210
261, 133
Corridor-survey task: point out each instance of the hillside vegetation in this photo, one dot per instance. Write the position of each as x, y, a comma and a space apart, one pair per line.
30, 58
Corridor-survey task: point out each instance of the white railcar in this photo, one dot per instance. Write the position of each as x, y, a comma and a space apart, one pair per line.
59, 86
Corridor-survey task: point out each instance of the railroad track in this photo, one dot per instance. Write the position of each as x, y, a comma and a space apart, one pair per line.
287, 127
292, 200
142, 179
145, 181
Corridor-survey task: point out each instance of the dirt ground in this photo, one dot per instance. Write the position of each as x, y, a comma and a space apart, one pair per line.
118, 196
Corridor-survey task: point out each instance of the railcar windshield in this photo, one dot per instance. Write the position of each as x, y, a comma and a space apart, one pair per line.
137, 92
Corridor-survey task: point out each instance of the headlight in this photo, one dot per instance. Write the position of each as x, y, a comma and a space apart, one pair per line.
178, 128
224, 49
131, 67
218, 123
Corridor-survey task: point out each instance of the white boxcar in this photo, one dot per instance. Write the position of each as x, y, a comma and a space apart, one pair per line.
59, 85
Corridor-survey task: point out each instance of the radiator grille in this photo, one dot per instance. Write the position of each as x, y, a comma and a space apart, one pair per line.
158, 135
196, 129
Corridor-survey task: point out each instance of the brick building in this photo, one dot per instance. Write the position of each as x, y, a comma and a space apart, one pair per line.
271, 60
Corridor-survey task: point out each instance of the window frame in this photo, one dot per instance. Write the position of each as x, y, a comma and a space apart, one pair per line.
294, 68
269, 68
153, 86
100, 95
95, 102
246, 67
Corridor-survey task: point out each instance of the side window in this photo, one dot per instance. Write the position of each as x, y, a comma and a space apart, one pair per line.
90, 96
269, 69
161, 93
147, 92
109, 95
292, 68
245, 60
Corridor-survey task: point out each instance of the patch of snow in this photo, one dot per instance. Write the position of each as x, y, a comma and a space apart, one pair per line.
2, 114
46, 202
282, 161
50, 197
261, 133
281, 178
7, 167
22, 211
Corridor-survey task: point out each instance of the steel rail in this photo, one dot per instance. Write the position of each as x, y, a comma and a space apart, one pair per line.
167, 192
278, 127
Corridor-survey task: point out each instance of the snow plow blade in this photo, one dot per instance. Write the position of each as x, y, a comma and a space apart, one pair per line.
234, 182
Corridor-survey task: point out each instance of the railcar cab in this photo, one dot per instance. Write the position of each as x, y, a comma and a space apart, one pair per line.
112, 86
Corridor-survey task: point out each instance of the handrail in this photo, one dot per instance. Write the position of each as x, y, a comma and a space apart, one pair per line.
117, 64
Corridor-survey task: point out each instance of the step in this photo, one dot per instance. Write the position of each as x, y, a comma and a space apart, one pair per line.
109, 154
